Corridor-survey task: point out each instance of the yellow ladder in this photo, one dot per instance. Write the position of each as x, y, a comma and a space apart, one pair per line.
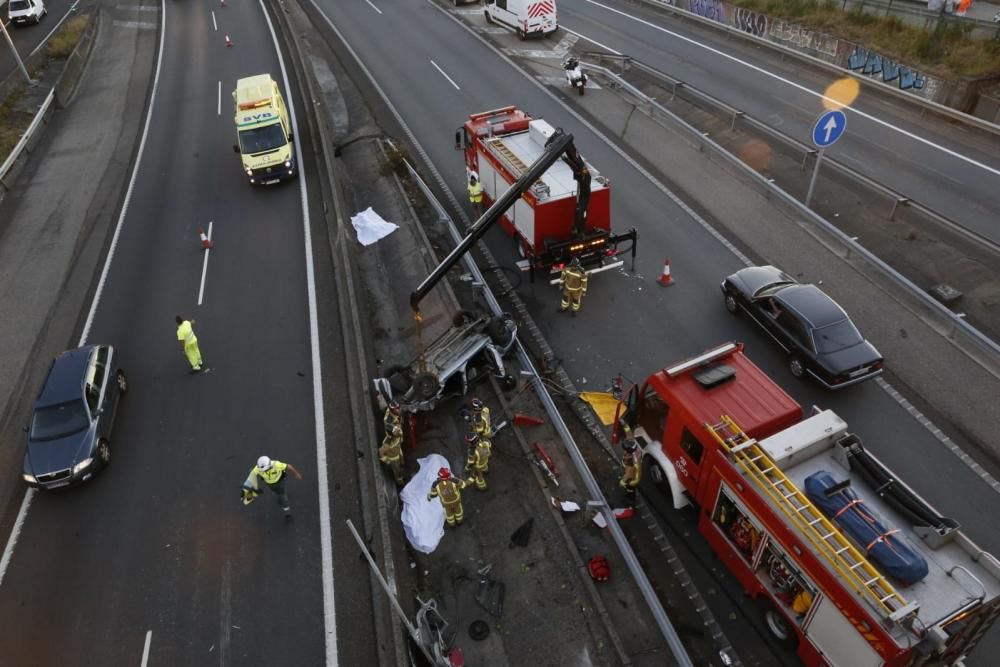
830, 543
514, 161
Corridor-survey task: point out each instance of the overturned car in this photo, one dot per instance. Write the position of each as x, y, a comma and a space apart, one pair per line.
459, 357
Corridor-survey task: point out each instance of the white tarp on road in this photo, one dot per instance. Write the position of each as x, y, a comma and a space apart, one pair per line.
423, 520
371, 227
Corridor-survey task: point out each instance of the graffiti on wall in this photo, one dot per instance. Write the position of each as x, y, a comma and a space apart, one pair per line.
709, 9
875, 65
750, 21
794, 35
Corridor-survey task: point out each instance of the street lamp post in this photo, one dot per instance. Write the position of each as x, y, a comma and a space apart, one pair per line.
17, 56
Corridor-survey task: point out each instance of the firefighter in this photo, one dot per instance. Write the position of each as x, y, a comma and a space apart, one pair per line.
573, 280
391, 453
476, 195
392, 418
189, 342
449, 490
481, 419
632, 464
477, 463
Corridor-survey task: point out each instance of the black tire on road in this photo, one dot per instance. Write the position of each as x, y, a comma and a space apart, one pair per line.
122, 382
777, 624
104, 452
731, 305
796, 367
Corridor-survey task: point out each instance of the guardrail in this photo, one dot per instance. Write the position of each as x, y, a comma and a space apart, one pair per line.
28, 135
870, 84
957, 323
602, 505
737, 115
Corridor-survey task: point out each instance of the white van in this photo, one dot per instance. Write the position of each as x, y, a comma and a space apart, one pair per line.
26, 11
525, 17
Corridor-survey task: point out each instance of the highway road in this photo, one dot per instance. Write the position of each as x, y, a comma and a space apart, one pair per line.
157, 556
435, 71
950, 168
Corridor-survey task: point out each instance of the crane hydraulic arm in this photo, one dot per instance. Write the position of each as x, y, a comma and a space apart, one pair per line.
560, 144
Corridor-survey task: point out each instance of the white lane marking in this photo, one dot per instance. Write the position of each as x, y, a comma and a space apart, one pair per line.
445, 75
138, 25
592, 41
804, 89
145, 649
325, 529
204, 266
218, 101
8, 552
225, 613
215, 26
373, 6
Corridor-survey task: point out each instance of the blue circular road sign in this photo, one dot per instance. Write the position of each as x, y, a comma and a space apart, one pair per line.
829, 126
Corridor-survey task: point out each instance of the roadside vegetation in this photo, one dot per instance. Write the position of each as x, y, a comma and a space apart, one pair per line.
14, 122
947, 50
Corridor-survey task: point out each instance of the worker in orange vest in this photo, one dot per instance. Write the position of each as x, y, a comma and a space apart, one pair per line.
449, 490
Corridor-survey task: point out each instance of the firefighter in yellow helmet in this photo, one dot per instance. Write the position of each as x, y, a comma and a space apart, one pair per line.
392, 418
391, 453
632, 464
478, 461
476, 195
573, 281
449, 490
481, 419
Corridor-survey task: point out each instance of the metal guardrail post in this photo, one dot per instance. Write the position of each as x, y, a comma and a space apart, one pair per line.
895, 205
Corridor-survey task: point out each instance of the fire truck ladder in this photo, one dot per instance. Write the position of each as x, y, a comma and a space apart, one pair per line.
830, 543
508, 154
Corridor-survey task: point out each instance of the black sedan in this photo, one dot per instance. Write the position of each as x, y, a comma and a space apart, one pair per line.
813, 329
69, 438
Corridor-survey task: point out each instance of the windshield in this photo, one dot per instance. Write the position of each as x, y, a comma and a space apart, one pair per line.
19, 5
55, 421
836, 337
262, 139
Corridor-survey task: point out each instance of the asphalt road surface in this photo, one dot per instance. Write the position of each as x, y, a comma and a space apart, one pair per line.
944, 166
434, 72
157, 554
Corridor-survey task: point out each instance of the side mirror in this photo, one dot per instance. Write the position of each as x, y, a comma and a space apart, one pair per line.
458, 140
98, 412
236, 148
26, 429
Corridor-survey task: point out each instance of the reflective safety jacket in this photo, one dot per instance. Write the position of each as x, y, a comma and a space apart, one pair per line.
481, 422
449, 490
391, 450
185, 332
273, 474
475, 192
574, 279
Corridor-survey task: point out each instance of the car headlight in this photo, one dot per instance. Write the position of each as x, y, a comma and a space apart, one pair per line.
82, 465
30, 479
288, 164
249, 172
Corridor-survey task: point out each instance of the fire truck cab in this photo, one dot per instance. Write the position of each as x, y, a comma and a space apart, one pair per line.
847, 564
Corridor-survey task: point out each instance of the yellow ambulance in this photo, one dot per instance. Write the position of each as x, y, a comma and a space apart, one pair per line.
264, 133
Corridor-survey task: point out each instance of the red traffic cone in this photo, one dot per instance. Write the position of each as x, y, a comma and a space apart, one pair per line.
206, 242
665, 279
526, 420
229, 42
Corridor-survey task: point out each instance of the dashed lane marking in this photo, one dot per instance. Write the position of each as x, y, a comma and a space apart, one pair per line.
138, 25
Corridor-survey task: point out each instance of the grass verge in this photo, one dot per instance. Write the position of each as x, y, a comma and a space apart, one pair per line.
946, 51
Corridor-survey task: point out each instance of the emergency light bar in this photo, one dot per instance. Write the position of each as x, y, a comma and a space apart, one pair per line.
711, 355
256, 104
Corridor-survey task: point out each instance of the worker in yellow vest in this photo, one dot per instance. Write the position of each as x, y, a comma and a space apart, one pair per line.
449, 490
189, 342
476, 196
632, 465
391, 453
274, 473
481, 419
477, 461
573, 281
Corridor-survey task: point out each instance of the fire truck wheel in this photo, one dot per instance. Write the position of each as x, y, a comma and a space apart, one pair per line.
796, 367
521, 35
489, 19
731, 304
778, 625
656, 473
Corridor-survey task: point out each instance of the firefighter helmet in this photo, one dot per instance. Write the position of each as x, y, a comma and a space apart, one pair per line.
477, 404
575, 263
444, 473
394, 407
629, 445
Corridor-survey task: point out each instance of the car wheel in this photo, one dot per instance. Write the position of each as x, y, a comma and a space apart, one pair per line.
509, 382
777, 624
797, 368
104, 451
656, 473
488, 18
425, 386
122, 383
731, 304
521, 35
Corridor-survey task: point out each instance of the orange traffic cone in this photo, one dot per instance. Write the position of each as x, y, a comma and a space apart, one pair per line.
229, 42
206, 242
665, 279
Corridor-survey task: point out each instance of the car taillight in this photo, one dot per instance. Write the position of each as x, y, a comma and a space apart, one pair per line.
558, 267
877, 366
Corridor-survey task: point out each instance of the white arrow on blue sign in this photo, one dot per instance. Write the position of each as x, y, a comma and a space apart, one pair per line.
829, 126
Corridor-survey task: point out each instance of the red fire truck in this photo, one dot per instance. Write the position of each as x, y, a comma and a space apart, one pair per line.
848, 565
563, 215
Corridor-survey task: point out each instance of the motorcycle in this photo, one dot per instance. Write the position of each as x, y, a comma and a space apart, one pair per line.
576, 77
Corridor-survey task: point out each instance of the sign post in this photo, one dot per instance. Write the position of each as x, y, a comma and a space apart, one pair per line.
829, 127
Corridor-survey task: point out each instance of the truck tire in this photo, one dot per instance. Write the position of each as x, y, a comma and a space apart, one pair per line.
777, 624
488, 19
